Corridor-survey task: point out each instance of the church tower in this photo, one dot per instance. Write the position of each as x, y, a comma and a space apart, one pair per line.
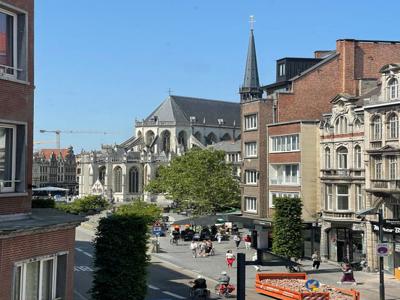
251, 85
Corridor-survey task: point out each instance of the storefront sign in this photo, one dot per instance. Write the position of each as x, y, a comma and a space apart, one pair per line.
387, 228
397, 247
382, 249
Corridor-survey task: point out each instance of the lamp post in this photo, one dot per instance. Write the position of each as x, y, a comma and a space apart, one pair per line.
381, 274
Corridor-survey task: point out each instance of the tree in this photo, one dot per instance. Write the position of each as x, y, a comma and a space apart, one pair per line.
151, 212
120, 258
287, 227
200, 180
85, 205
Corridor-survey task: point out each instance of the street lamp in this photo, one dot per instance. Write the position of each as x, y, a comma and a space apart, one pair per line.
379, 212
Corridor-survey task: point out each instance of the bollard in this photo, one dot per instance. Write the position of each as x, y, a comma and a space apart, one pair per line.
241, 276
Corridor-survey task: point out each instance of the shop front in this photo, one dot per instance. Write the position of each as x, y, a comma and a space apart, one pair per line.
391, 236
345, 243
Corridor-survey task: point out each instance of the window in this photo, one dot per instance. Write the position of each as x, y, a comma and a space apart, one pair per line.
282, 69
118, 180
328, 197
393, 88
250, 122
285, 143
133, 180
341, 125
342, 194
359, 197
393, 127
342, 158
273, 195
392, 167
102, 175
327, 158
357, 157
250, 177
284, 174
378, 167
250, 149
41, 279
7, 158
376, 129
251, 204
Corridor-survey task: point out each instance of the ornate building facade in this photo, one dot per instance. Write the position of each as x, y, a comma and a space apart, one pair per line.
120, 172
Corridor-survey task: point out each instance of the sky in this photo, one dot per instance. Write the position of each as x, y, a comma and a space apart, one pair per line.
99, 65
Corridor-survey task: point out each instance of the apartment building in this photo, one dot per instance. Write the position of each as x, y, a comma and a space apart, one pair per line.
36, 245
382, 145
352, 68
342, 174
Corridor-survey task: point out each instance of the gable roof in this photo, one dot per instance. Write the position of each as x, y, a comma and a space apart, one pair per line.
48, 152
179, 109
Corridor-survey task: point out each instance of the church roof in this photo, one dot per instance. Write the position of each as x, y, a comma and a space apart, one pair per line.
227, 146
251, 79
180, 109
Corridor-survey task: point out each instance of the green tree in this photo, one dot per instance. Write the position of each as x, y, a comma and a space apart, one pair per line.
287, 227
120, 258
87, 204
200, 180
151, 212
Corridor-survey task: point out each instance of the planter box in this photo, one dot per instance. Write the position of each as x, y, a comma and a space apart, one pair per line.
283, 293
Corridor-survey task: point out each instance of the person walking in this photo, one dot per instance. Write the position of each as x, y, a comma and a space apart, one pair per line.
316, 259
236, 238
219, 237
230, 258
247, 241
193, 247
348, 275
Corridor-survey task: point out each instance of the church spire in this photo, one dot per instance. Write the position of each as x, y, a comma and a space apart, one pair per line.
251, 84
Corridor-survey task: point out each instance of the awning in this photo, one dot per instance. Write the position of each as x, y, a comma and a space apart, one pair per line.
50, 189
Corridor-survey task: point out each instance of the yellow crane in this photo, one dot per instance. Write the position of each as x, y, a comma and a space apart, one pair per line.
58, 132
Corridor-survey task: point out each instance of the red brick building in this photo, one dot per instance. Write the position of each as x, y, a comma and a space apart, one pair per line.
290, 104
36, 245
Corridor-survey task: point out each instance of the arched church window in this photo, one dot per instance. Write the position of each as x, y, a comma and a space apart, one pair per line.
149, 137
182, 139
133, 180
165, 140
102, 174
226, 137
211, 138
118, 180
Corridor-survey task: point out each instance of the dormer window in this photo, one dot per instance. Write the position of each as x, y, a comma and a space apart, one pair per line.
393, 89
220, 121
192, 119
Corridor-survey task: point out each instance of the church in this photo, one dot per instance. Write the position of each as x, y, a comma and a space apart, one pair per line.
120, 172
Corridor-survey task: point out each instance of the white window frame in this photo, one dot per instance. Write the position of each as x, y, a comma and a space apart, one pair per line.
393, 127
282, 69
393, 89
378, 168
251, 122
281, 179
327, 157
15, 45
280, 194
376, 129
41, 260
328, 196
11, 189
250, 204
285, 143
359, 197
342, 154
357, 157
250, 149
392, 167
251, 177
342, 195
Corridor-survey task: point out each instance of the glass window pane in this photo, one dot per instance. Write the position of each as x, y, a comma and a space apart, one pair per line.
6, 159
17, 283
6, 40
47, 279
61, 276
32, 281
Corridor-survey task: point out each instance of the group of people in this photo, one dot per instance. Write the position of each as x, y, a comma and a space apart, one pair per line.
246, 239
201, 248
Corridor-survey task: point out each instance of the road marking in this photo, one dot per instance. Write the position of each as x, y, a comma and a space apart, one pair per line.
83, 268
153, 287
84, 252
80, 295
173, 295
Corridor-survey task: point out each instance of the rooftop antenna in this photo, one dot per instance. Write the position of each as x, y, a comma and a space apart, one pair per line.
252, 21
169, 91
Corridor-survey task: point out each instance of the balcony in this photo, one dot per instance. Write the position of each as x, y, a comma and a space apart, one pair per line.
342, 174
376, 145
338, 215
384, 186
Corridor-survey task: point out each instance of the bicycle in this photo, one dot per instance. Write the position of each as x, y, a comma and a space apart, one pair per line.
173, 241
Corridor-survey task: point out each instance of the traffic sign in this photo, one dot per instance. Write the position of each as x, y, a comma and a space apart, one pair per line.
382, 249
312, 285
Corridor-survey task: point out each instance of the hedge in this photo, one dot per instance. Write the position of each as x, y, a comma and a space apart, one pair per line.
120, 258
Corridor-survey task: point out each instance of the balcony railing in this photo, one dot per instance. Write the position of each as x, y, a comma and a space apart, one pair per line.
376, 144
345, 215
385, 185
343, 173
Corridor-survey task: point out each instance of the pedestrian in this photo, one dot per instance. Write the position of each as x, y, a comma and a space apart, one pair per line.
218, 236
202, 248
316, 259
236, 238
208, 247
348, 275
247, 241
193, 247
230, 258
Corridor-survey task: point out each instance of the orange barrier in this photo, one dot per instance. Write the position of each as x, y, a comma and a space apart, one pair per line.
397, 273
286, 294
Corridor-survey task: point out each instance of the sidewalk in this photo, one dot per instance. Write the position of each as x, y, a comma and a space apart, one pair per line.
211, 267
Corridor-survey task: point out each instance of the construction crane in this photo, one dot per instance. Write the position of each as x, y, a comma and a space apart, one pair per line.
58, 132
